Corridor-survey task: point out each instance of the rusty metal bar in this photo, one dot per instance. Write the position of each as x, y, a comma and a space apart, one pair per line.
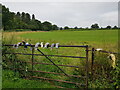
92, 60
87, 67
48, 72
58, 74
57, 80
51, 64
47, 55
86, 46
105, 51
58, 65
71, 46
68, 46
50, 45
32, 57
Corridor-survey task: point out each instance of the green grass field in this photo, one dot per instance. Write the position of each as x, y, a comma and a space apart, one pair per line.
76, 36
106, 39
94, 38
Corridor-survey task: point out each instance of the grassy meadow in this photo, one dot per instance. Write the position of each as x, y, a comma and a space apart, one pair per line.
106, 39
91, 36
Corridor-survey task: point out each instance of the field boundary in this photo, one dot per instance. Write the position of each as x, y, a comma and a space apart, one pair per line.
32, 62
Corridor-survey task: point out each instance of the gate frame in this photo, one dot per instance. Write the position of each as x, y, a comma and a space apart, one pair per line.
87, 54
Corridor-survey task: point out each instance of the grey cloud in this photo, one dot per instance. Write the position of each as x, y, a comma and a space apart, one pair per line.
81, 14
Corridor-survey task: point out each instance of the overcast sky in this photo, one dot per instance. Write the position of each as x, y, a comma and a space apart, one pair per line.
80, 14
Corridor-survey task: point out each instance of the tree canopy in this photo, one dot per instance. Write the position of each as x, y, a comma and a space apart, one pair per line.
94, 26
22, 20
11, 21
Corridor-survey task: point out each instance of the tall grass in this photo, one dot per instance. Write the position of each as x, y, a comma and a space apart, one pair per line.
12, 80
10, 60
98, 39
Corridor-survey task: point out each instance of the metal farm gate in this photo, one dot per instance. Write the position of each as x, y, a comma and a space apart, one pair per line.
32, 62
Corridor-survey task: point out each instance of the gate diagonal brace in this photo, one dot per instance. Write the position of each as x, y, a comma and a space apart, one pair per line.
54, 63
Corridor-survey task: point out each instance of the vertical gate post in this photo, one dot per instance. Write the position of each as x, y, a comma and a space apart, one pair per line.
87, 67
14, 62
32, 57
92, 60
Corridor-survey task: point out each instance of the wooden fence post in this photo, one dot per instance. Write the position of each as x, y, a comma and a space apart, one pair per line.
87, 67
92, 60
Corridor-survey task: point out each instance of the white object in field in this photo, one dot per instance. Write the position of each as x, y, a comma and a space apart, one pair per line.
14, 45
99, 49
18, 44
27, 43
41, 44
36, 45
31, 48
26, 69
57, 45
52, 46
113, 58
46, 45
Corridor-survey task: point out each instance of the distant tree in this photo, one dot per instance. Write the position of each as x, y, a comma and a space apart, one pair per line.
66, 27
23, 16
61, 28
47, 26
33, 17
11, 21
27, 17
35, 25
38, 24
18, 14
54, 27
80, 28
95, 26
5, 17
115, 27
8, 19
76, 27
108, 27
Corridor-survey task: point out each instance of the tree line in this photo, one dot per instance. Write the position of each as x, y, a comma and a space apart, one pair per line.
12, 21
93, 26
22, 21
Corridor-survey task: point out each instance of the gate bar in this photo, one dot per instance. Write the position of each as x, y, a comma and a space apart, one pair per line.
48, 55
48, 72
57, 80
32, 57
92, 60
50, 64
87, 67
50, 45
